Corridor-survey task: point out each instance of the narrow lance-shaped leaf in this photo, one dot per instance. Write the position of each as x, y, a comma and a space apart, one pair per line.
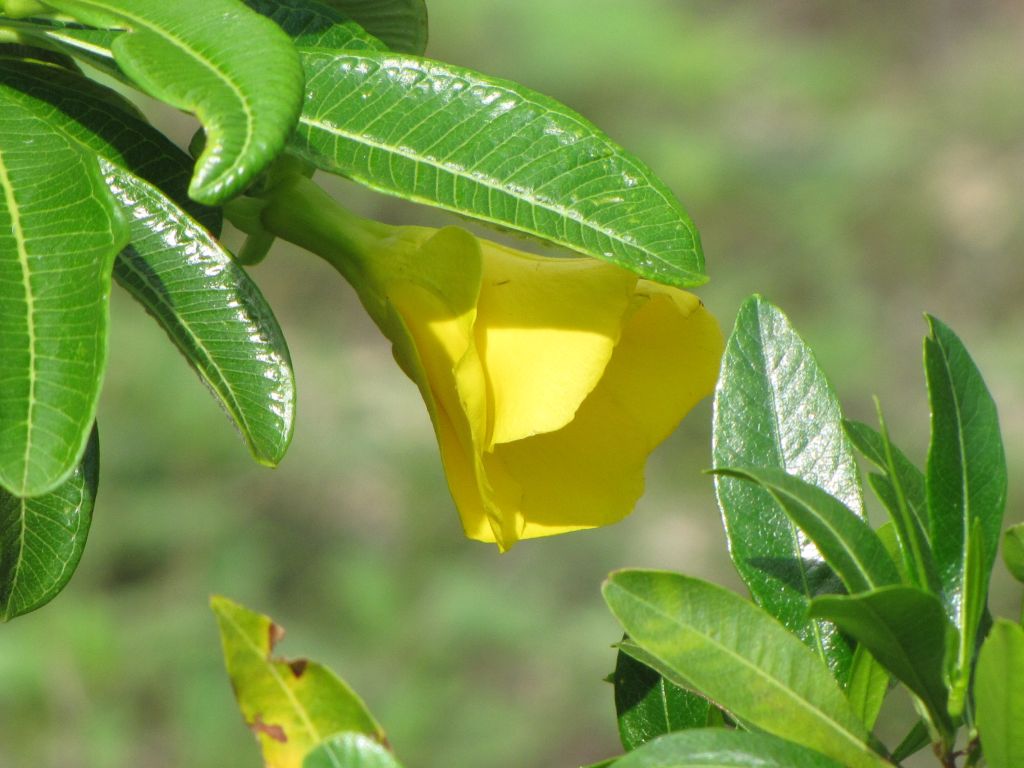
207, 304
999, 695
315, 24
647, 705
42, 538
847, 542
775, 409
741, 659
350, 750
917, 738
719, 748
906, 630
966, 484
291, 706
237, 71
400, 24
869, 683
872, 445
59, 232
495, 151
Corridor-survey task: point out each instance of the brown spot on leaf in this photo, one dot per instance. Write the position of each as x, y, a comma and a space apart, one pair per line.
276, 634
298, 666
275, 732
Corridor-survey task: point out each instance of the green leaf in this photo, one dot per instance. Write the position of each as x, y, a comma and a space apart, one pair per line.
869, 684
966, 481
350, 750
73, 39
741, 659
59, 232
211, 310
999, 695
313, 24
495, 151
872, 445
291, 706
774, 409
917, 738
906, 630
719, 748
400, 24
237, 71
648, 706
42, 538
848, 543
1013, 551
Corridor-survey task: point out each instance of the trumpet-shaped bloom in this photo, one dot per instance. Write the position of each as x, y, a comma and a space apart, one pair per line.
548, 380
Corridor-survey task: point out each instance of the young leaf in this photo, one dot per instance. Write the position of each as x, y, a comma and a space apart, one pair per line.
245, 87
775, 409
42, 538
906, 630
59, 232
741, 659
999, 695
848, 543
400, 24
719, 748
315, 24
350, 750
966, 481
211, 310
291, 706
1013, 551
495, 151
869, 683
648, 706
872, 445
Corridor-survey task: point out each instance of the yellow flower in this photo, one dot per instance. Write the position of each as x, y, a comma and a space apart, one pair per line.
548, 380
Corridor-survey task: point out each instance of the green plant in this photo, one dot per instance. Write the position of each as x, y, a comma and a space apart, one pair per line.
842, 612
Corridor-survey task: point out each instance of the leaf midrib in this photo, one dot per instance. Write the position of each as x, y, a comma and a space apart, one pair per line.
806, 705
18, 232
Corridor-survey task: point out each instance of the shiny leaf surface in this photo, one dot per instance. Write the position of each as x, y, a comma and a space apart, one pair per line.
59, 232
719, 748
350, 750
907, 631
42, 538
291, 706
494, 151
966, 485
648, 706
741, 659
999, 695
245, 87
848, 543
774, 409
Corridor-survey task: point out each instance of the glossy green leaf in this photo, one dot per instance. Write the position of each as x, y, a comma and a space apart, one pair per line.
291, 706
906, 630
315, 24
872, 445
1013, 551
76, 40
109, 125
847, 542
245, 87
775, 409
206, 303
494, 151
999, 695
719, 748
869, 684
350, 750
400, 24
648, 706
211, 310
966, 485
741, 659
42, 538
59, 232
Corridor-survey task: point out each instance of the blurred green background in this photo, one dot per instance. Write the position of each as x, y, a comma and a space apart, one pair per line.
857, 163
